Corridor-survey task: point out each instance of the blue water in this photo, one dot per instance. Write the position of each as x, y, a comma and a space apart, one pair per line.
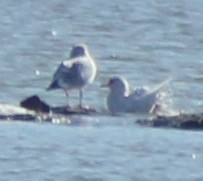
146, 41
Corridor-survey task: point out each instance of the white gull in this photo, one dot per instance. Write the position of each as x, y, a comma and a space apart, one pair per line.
122, 99
75, 73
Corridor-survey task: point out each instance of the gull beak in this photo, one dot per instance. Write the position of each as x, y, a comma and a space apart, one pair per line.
105, 85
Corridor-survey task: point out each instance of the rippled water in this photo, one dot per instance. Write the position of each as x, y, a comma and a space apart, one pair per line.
146, 41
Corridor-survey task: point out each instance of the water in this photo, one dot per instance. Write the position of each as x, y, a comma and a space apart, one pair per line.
145, 41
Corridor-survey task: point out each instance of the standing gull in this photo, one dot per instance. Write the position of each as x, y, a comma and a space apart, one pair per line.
75, 73
121, 99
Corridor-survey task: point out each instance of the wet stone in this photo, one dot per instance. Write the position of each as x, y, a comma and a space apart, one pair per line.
36, 104
182, 121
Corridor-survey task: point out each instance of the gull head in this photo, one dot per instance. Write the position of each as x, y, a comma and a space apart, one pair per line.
78, 50
118, 85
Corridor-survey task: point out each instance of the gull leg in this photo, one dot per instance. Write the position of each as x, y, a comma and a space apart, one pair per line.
80, 97
68, 106
80, 101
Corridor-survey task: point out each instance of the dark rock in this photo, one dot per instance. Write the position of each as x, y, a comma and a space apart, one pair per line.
144, 122
68, 111
191, 125
186, 121
36, 104
193, 121
161, 121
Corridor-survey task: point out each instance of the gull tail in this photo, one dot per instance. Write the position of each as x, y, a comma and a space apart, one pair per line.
53, 85
152, 98
160, 86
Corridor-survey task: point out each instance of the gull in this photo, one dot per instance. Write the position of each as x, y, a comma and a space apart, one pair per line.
75, 73
122, 99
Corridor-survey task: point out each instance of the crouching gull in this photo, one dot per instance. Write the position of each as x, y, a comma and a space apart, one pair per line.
141, 100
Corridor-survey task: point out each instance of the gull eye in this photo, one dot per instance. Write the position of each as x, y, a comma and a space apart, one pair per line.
111, 81
77, 51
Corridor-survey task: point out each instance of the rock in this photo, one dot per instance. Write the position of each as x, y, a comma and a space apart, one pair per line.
18, 117
36, 104
192, 125
9, 112
193, 121
182, 121
75, 110
33, 109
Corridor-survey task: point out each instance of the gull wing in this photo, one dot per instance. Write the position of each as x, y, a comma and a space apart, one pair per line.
143, 99
64, 70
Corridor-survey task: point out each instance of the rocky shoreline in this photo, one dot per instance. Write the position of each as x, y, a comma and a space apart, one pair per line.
33, 108
182, 121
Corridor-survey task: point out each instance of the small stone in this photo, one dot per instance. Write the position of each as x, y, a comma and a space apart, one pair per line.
34, 103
